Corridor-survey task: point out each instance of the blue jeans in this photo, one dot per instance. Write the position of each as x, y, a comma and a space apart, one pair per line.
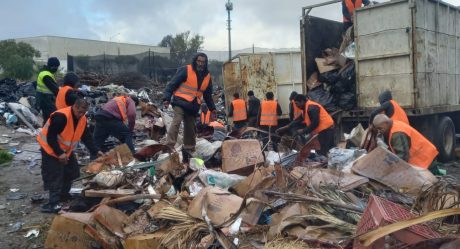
106, 127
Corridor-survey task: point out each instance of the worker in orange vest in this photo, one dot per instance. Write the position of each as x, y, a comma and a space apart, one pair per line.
116, 118
315, 120
185, 92
348, 11
390, 108
68, 93
205, 115
406, 142
294, 111
238, 111
269, 112
58, 138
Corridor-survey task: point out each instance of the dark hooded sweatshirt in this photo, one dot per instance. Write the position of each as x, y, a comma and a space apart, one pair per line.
180, 77
385, 106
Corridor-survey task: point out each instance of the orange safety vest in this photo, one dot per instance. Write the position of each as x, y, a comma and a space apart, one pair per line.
422, 152
268, 113
68, 138
216, 124
60, 99
239, 110
122, 107
188, 90
325, 120
205, 118
351, 6
297, 110
399, 113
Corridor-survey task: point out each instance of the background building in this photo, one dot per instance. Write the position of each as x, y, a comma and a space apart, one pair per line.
61, 47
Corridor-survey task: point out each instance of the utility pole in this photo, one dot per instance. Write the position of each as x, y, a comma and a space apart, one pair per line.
229, 7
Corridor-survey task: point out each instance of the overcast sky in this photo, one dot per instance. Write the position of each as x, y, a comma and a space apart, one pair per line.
266, 23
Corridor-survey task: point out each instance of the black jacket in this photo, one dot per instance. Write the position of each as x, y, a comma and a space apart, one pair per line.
180, 77
253, 106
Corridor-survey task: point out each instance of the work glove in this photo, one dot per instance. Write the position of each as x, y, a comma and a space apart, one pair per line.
281, 131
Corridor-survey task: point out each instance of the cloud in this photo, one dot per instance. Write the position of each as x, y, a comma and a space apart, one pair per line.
265, 23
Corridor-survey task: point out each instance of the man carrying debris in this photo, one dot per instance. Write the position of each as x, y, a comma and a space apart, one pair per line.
269, 112
238, 111
406, 142
348, 10
184, 92
390, 108
253, 109
47, 88
116, 118
68, 93
58, 138
294, 111
315, 120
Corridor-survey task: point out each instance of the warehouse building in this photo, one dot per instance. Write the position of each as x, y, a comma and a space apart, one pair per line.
61, 47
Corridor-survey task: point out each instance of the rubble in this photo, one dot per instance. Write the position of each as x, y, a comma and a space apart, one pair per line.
237, 190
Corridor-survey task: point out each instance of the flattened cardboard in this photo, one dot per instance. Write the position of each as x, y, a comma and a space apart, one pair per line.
67, 231
240, 155
320, 176
221, 204
145, 241
385, 167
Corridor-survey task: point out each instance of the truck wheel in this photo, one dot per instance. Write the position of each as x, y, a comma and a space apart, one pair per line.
445, 139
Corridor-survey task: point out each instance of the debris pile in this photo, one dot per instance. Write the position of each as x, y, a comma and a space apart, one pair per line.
334, 84
237, 193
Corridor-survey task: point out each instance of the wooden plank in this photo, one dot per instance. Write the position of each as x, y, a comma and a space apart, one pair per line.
109, 192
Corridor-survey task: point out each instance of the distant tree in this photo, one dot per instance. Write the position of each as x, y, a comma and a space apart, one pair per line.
16, 59
182, 46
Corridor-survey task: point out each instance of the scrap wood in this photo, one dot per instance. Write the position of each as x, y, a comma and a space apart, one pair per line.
368, 238
311, 144
303, 198
109, 192
127, 199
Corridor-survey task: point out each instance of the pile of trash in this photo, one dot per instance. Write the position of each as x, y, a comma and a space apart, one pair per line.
334, 84
235, 192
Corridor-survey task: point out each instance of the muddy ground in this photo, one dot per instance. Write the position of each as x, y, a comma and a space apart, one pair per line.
24, 174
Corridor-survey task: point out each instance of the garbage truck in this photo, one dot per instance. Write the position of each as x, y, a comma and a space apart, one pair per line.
277, 72
410, 47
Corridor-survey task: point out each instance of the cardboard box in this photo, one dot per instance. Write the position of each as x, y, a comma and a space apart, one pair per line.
246, 185
145, 241
240, 155
323, 67
319, 176
221, 204
67, 231
385, 167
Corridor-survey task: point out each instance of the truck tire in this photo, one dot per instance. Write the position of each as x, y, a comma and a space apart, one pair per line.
445, 139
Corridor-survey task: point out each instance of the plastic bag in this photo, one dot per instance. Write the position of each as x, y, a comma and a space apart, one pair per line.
220, 179
196, 164
205, 149
355, 136
25, 112
347, 101
322, 97
109, 179
339, 158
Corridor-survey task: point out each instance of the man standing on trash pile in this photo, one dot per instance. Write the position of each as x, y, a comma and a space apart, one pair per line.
185, 91
294, 111
315, 120
116, 118
269, 112
68, 93
253, 109
47, 88
238, 111
406, 142
348, 10
390, 108
58, 138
